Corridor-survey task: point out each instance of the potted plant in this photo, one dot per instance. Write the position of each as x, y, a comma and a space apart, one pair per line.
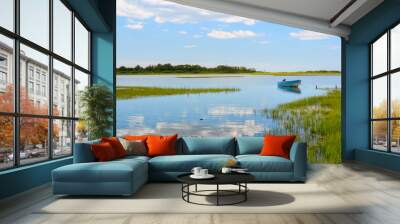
96, 103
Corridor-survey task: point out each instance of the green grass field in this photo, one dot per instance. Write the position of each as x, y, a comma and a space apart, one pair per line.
315, 120
130, 92
300, 73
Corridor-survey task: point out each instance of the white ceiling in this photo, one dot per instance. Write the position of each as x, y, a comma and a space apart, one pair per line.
316, 15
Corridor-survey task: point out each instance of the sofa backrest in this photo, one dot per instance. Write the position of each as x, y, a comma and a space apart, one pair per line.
249, 145
206, 145
83, 152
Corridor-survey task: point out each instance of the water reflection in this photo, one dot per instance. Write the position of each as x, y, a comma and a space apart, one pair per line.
211, 114
291, 89
228, 128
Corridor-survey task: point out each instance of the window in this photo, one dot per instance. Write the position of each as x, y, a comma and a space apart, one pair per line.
46, 75
7, 14
30, 87
62, 137
62, 74
81, 45
6, 73
31, 76
62, 29
6, 142
35, 21
385, 96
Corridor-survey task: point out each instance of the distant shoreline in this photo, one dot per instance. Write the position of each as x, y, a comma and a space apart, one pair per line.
211, 75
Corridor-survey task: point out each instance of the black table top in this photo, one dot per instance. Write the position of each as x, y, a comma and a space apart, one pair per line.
220, 178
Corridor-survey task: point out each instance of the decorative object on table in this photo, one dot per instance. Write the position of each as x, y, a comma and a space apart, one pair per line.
97, 109
230, 170
239, 195
200, 173
231, 163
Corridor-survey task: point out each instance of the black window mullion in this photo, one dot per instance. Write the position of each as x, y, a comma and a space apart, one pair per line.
389, 104
73, 81
16, 84
50, 81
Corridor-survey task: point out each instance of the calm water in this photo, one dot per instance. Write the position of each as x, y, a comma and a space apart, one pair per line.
211, 114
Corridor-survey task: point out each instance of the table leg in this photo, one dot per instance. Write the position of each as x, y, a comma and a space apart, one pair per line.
217, 194
245, 193
195, 188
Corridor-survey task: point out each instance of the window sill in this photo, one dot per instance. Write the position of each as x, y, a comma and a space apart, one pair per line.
30, 166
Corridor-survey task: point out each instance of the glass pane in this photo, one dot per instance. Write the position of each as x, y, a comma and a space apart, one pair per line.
395, 94
81, 131
34, 97
62, 29
62, 138
62, 89
81, 45
395, 47
33, 139
81, 82
35, 21
379, 135
6, 142
379, 55
7, 14
379, 97
395, 138
6, 75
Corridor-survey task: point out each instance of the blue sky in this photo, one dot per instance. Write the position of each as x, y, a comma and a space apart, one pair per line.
155, 31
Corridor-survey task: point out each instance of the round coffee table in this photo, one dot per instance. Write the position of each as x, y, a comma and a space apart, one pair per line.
238, 179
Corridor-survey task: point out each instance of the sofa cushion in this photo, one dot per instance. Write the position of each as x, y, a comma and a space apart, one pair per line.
277, 145
207, 145
103, 152
116, 145
112, 171
185, 163
161, 145
83, 153
249, 145
257, 163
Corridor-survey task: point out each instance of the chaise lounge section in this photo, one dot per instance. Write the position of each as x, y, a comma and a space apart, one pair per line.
125, 176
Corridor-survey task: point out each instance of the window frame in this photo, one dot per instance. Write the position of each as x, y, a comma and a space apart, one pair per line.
16, 114
388, 74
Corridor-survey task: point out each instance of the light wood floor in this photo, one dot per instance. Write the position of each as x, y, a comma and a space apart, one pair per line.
379, 189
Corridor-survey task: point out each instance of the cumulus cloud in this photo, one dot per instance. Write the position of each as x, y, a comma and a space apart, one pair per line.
237, 19
134, 25
169, 12
182, 32
309, 35
190, 46
220, 34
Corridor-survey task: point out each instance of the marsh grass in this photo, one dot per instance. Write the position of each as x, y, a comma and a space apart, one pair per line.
315, 120
130, 92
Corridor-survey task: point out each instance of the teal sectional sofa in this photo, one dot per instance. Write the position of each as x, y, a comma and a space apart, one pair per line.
125, 176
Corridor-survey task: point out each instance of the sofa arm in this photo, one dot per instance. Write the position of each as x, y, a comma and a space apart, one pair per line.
298, 155
83, 152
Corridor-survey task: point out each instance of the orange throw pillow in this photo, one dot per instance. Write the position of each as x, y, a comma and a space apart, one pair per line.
161, 145
277, 145
103, 152
136, 137
116, 145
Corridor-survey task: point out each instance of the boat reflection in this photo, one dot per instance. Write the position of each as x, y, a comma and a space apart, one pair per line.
290, 89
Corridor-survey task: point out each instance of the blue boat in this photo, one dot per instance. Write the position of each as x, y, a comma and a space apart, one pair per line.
290, 89
291, 83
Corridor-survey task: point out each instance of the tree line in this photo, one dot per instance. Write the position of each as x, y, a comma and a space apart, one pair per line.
169, 68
